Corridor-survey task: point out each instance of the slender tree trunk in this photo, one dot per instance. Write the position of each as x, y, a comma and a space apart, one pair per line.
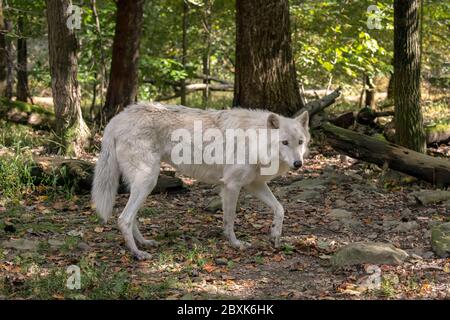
407, 68
184, 50
390, 89
10, 63
71, 130
22, 63
3, 52
123, 80
206, 59
370, 93
101, 75
265, 74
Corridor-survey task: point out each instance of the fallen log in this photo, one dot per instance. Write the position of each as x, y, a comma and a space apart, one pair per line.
359, 146
316, 106
26, 114
80, 173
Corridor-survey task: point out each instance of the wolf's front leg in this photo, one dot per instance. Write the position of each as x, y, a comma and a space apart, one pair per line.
263, 193
230, 197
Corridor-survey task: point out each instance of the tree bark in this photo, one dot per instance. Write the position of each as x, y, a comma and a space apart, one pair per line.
10, 63
3, 52
22, 63
101, 73
206, 59
123, 80
71, 131
370, 93
265, 76
359, 146
407, 68
184, 50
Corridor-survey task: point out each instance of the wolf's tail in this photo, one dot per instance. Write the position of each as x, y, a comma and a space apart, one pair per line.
106, 178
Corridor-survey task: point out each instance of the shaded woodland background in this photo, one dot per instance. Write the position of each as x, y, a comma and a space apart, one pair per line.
375, 80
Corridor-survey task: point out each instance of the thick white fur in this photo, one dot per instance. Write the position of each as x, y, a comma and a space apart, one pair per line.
139, 138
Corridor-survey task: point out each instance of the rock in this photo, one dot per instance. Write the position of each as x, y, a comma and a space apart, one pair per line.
340, 203
214, 205
21, 244
351, 223
431, 196
307, 195
389, 224
407, 226
440, 240
221, 261
310, 184
345, 218
368, 252
83, 246
55, 243
340, 214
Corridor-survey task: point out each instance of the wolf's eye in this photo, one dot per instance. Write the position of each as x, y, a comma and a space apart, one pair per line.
285, 142
300, 142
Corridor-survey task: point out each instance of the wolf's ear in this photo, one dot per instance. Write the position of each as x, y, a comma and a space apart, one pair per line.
273, 122
303, 119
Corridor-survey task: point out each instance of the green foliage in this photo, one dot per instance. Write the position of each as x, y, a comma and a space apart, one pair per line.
15, 175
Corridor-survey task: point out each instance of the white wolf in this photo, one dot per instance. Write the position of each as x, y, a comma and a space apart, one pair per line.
139, 138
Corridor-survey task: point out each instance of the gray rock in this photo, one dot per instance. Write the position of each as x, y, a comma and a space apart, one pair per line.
310, 184
368, 252
407, 226
431, 196
55, 243
340, 203
307, 195
21, 244
221, 261
83, 246
389, 224
340, 214
214, 205
440, 240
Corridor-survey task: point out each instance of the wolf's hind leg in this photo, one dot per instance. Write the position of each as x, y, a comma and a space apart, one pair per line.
263, 193
140, 238
142, 178
229, 201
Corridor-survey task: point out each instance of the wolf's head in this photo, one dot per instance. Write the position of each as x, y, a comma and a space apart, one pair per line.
294, 138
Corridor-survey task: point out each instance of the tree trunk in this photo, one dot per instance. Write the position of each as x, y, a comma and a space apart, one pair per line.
207, 51
370, 93
184, 50
359, 146
22, 63
10, 63
123, 80
407, 67
71, 130
265, 74
101, 74
3, 53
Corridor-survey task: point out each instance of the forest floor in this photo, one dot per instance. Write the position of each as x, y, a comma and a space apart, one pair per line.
43, 235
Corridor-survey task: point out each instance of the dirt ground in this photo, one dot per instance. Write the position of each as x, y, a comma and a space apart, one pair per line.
193, 260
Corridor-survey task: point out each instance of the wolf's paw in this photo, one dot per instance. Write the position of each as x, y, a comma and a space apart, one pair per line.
150, 243
241, 245
142, 255
276, 240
